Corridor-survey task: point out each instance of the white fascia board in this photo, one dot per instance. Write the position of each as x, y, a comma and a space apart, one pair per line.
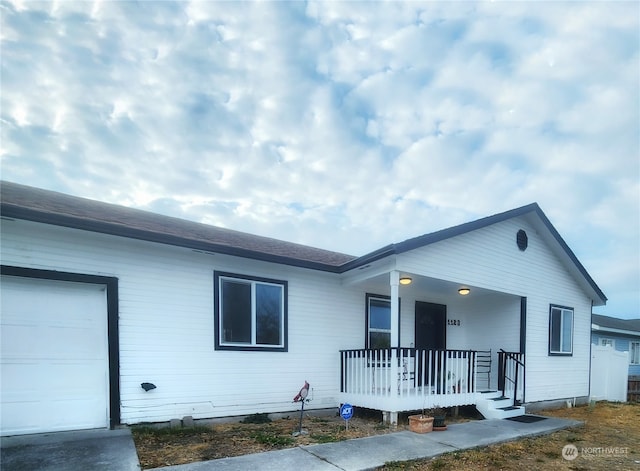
372, 270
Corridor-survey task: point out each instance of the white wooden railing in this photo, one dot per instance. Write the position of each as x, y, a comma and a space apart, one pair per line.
408, 378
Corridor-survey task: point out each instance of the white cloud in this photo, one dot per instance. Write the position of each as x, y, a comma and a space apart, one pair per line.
336, 124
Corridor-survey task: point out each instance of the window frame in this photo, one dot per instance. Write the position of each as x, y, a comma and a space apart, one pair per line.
633, 350
218, 278
607, 342
380, 297
562, 310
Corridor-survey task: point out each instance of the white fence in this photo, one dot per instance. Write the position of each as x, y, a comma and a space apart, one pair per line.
609, 374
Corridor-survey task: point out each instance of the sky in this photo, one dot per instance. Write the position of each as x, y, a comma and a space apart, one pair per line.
340, 125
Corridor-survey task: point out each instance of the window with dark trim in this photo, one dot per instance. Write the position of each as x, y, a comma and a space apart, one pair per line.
250, 313
560, 330
378, 321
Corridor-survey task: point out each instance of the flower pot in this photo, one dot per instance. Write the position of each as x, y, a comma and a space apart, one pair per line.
420, 423
438, 422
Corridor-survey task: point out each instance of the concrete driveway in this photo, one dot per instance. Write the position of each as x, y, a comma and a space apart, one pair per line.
111, 450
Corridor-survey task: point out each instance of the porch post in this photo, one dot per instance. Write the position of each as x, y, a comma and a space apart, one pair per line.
394, 281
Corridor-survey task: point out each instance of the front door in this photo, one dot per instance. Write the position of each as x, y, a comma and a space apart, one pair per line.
430, 325
430, 334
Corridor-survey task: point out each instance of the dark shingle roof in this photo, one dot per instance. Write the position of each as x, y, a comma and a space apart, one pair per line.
24, 202
615, 323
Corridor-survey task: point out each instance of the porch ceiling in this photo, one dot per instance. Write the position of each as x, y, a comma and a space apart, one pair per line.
421, 287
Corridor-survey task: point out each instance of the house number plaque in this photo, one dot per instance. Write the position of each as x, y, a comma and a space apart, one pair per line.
453, 321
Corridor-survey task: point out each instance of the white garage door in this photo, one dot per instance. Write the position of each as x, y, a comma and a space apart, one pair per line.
54, 362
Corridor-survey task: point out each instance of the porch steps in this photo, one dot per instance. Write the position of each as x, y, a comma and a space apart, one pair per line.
493, 405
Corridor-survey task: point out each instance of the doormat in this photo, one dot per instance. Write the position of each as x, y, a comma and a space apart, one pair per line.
527, 419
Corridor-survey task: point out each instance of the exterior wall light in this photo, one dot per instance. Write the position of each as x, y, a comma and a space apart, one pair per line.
405, 280
464, 291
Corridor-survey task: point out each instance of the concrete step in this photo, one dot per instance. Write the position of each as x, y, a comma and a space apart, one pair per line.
500, 402
493, 405
507, 412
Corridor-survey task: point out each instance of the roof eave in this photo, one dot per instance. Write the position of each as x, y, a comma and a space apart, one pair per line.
600, 328
17, 212
597, 296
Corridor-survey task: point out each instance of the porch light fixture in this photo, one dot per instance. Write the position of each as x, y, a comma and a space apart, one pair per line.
405, 280
464, 291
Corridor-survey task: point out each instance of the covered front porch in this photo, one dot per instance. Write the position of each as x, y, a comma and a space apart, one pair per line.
428, 344
405, 379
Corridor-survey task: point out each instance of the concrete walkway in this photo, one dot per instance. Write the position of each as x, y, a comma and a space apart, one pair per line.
371, 452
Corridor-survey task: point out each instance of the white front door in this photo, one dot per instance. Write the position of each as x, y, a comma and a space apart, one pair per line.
54, 356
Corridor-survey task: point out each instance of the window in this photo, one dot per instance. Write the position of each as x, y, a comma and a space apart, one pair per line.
560, 330
250, 313
607, 343
634, 353
378, 321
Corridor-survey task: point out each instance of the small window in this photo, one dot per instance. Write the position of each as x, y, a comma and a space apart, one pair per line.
607, 343
634, 353
560, 330
250, 313
378, 322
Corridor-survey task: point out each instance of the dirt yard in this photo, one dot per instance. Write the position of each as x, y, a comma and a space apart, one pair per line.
606, 426
608, 440
165, 446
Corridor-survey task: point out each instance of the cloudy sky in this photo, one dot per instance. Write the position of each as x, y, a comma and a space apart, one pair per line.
342, 125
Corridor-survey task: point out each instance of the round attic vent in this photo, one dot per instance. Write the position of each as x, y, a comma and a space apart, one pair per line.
522, 240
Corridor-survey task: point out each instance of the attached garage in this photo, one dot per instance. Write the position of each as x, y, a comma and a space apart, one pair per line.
55, 365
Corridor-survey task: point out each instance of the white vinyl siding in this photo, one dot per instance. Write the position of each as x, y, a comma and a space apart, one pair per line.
489, 258
168, 330
166, 322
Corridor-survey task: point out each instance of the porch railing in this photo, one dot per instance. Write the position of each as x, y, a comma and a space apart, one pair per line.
511, 371
409, 372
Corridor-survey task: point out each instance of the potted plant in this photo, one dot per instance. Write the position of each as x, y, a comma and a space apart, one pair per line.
421, 423
439, 415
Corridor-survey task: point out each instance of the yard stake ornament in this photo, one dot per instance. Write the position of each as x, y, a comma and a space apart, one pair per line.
301, 397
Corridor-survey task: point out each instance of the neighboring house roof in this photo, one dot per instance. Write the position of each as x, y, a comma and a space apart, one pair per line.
614, 325
24, 202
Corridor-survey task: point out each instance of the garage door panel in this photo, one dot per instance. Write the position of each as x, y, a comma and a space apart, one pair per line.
54, 368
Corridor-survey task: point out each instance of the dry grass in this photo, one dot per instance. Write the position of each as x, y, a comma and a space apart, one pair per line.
158, 447
606, 425
164, 447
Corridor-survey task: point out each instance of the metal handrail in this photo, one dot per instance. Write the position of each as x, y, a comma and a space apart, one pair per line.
502, 365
